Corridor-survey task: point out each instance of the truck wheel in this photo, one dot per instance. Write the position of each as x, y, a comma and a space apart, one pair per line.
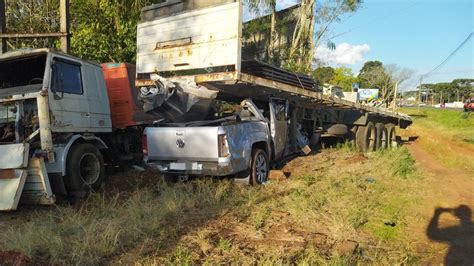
382, 136
392, 136
84, 168
259, 167
366, 137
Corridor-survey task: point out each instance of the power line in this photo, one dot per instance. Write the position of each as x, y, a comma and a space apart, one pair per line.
449, 56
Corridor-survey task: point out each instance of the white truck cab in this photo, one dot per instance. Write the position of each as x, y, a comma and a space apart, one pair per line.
53, 108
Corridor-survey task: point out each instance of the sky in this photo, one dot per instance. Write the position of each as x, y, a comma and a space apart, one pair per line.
414, 34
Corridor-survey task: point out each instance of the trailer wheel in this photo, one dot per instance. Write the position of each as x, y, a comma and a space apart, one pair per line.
84, 168
382, 136
259, 167
366, 137
392, 136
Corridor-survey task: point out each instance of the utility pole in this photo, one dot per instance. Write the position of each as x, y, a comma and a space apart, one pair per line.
3, 26
64, 25
395, 96
419, 93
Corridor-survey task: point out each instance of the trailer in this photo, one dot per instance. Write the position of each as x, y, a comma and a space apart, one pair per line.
201, 41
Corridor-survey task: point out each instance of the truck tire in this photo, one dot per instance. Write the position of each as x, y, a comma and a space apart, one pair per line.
366, 137
382, 136
85, 169
259, 167
392, 136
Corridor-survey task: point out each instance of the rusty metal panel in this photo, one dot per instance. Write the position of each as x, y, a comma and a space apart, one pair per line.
203, 38
14, 156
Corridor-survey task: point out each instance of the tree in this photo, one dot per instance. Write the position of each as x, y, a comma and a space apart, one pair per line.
397, 76
256, 5
344, 78
376, 77
458, 89
323, 74
32, 16
304, 36
106, 30
102, 30
365, 70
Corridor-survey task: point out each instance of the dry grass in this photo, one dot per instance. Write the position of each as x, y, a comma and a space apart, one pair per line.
331, 197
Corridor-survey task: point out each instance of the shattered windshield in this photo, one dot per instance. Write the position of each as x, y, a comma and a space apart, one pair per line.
13, 74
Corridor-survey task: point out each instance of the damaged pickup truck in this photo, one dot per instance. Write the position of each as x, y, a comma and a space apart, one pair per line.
243, 144
205, 43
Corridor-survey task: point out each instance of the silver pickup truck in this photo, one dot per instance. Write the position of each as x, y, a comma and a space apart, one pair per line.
241, 144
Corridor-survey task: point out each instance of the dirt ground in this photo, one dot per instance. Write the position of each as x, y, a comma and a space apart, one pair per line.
448, 232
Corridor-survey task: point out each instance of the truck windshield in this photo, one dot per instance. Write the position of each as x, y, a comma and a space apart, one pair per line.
13, 74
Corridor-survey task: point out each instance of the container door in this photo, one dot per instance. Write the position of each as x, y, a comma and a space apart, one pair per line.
279, 126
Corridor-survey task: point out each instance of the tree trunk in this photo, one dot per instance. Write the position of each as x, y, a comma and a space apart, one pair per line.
273, 36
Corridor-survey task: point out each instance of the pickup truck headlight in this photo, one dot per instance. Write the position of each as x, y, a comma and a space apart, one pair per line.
223, 145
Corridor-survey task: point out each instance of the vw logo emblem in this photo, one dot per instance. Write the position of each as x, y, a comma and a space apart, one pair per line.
180, 143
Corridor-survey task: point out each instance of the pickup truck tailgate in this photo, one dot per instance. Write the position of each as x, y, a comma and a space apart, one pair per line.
182, 143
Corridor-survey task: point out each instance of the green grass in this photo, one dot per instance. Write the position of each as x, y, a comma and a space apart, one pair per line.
455, 124
447, 135
216, 222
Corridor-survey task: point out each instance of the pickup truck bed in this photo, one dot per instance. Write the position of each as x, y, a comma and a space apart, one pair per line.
221, 150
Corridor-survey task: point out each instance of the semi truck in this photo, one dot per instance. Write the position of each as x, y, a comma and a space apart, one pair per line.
62, 119
281, 113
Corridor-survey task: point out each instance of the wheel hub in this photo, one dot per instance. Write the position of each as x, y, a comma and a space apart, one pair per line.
89, 168
261, 169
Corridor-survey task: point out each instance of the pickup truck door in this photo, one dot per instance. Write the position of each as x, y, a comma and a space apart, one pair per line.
279, 126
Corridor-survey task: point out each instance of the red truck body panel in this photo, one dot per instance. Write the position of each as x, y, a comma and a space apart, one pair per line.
120, 82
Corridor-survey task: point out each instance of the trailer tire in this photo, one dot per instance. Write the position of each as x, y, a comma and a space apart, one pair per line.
392, 136
85, 171
259, 167
366, 137
382, 136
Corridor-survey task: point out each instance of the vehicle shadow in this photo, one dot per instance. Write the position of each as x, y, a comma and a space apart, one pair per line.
460, 237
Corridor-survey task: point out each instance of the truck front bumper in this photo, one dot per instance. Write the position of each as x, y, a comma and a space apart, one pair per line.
223, 167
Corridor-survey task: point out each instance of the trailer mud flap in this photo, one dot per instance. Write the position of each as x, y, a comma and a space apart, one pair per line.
13, 172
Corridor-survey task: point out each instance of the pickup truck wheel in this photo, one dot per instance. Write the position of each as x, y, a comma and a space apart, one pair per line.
259, 167
366, 137
84, 168
382, 136
392, 136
